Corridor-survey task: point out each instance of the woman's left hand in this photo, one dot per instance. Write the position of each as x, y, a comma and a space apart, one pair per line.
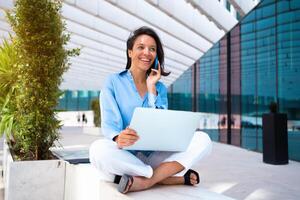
153, 78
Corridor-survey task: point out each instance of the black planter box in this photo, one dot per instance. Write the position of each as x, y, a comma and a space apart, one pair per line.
275, 141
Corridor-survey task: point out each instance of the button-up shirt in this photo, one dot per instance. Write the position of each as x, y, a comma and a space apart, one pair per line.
118, 99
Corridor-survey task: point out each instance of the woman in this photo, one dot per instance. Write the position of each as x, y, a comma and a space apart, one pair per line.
139, 86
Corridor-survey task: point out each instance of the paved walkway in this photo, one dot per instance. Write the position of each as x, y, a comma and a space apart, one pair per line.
241, 174
229, 170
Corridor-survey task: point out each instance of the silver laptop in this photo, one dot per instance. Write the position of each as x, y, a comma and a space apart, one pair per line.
163, 130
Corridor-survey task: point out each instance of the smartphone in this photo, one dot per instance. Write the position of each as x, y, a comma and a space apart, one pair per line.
156, 63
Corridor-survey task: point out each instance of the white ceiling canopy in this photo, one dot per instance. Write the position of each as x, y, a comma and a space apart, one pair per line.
187, 28
243, 7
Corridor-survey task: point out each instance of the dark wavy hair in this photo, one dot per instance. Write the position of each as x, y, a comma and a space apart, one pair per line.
144, 30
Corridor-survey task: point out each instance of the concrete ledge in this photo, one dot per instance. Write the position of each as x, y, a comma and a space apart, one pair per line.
83, 182
33, 180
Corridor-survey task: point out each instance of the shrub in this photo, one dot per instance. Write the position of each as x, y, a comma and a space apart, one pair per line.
95, 105
40, 39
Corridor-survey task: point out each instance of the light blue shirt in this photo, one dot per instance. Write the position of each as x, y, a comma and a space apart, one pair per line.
118, 99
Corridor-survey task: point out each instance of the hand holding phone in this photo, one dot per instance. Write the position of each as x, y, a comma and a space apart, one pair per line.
154, 77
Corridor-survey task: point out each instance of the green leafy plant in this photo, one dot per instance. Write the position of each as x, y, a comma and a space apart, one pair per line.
8, 76
95, 105
42, 60
8, 62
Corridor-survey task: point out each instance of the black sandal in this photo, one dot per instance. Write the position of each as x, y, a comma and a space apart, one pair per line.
125, 180
187, 177
117, 179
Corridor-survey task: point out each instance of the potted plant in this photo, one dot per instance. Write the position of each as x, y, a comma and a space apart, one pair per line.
28, 108
275, 142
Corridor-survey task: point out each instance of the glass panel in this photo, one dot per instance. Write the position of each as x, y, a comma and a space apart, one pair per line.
288, 17
74, 94
83, 93
248, 92
295, 4
246, 28
209, 81
283, 6
76, 100
208, 91
265, 23
72, 100
94, 93
83, 100
235, 74
249, 17
268, 11
181, 97
288, 78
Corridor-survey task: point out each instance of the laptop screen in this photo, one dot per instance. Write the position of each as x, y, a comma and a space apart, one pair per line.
73, 156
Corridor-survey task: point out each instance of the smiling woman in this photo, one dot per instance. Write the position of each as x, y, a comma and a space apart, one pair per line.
143, 52
139, 86
157, 47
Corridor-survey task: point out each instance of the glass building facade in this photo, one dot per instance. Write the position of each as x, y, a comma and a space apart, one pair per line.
180, 94
77, 100
256, 63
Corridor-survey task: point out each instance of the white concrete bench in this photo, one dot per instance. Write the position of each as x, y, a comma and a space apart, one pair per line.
82, 182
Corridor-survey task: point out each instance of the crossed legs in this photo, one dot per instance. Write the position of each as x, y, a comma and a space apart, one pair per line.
168, 171
163, 175
163, 172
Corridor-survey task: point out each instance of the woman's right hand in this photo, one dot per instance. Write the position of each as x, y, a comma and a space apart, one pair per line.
126, 138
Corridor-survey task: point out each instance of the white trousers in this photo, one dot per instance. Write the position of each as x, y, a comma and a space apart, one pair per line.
109, 160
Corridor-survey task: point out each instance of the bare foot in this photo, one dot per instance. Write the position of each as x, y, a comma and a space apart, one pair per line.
179, 180
137, 183
193, 179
